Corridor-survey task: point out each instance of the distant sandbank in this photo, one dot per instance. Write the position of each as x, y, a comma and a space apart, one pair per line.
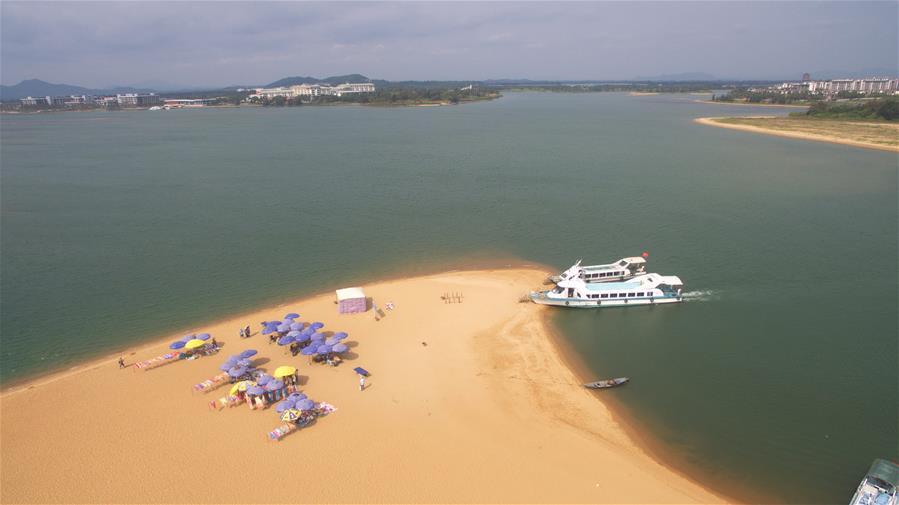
467, 402
747, 104
880, 136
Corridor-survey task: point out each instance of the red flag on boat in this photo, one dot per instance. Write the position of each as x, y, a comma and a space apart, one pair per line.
645, 254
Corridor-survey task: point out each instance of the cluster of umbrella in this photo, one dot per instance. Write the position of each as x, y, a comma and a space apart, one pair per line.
294, 406
264, 383
318, 344
191, 342
289, 323
239, 364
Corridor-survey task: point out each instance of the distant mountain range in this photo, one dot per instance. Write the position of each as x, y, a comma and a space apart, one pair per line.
37, 87
337, 79
684, 76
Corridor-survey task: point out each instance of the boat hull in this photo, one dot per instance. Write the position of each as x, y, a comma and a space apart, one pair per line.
583, 303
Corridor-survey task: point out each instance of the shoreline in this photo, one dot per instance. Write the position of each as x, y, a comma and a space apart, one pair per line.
712, 121
522, 314
746, 104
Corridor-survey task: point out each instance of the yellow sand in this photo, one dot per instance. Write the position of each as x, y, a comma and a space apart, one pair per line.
467, 402
881, 136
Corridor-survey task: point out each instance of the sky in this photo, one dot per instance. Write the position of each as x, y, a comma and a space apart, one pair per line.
98, 44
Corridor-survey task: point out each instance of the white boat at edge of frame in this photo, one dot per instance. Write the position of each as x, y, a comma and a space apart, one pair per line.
623, 269
647, 289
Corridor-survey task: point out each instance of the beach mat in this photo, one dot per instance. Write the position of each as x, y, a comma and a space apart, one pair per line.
361, 371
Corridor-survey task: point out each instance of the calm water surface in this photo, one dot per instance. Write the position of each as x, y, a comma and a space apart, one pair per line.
776, 382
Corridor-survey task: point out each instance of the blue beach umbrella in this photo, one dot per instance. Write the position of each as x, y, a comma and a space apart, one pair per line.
226, 366
268, 329
318, 336
285, 405
285, 340
295, 397
187, 338
237, 371
306, 404
255, 390
244, 362
248, 353
291, 315
264, 379
304, 337
323, 349
274, 385
340, 348
296, 326
283, 327
332, 341
309, 350
203, 336
340, 335
317, 325
177, 345
293, 333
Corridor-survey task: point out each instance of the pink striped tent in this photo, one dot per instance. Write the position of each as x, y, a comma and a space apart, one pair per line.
351, 300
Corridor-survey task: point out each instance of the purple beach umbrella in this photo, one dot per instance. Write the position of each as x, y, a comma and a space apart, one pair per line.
237, 371
340, 335
268, 329
203, 336
296, 397
248, 353
304, 337
177, 345
296, 326
285, 340
318, 336
291, 315
309, 350
226, 366
340, 348
263, 379
317, 325
323, 349
293, 333
283, 327
255, 390
306, 404
332, 341
187, 338
274, 385
282, 406
244, 362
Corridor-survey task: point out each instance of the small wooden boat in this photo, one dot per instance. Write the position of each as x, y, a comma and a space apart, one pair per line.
610, 383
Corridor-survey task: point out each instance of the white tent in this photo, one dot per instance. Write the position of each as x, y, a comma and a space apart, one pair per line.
351, 300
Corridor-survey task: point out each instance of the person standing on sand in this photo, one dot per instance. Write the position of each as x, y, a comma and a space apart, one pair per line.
361, 382
241, 333
121, 362
246, 331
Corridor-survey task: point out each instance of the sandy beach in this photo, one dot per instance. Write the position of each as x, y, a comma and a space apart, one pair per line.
467, 402
811, 133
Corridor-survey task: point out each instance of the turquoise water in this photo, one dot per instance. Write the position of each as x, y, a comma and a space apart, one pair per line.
776, 382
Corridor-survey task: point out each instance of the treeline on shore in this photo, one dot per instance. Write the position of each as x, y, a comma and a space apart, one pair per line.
876, 109
778, 98
388, 96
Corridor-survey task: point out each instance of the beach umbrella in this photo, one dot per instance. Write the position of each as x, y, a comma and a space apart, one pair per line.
226, 366
203, 336
194, 344
296, 326
274, 385
318, 336
240, 386
331, 341
285, 405
248, 353
306, 404
255, 390
340, 348
293, 333
176, 345
291, 415
317, 325
187, 338
244, 362
283, 327
268, 329
340, 335
237, 371
263, 379
284, 371
233, 359
296, 397
285, 340
309, 350
304, 337
291, 315
323, 349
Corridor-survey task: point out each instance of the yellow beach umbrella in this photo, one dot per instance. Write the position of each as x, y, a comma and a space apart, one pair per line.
291, 415
284, 371
194, 344
240, 386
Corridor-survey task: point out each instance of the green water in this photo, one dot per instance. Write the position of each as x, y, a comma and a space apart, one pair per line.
776, 382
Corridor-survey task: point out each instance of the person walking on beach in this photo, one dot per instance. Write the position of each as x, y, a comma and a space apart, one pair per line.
242, 333
246, 331
121, 362
361, 382
215, 345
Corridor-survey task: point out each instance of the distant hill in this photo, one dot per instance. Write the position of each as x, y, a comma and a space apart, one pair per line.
685, 76
337, 79
37, 87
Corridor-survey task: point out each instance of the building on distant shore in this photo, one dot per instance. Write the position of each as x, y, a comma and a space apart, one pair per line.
189, 102
867, 86
138, 99
312, 90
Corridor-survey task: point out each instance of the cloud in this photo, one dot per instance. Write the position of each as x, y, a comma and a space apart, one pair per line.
222, 43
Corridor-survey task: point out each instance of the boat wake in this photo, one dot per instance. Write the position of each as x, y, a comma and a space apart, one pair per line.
701, 296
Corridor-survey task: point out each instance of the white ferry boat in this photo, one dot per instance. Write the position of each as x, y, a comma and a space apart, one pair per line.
647, 289
879, 486
623, 269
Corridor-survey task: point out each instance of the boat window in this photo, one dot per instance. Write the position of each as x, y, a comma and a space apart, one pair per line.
631, 294
639, 293
604, 296
558, 290
622, 263
613, 295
